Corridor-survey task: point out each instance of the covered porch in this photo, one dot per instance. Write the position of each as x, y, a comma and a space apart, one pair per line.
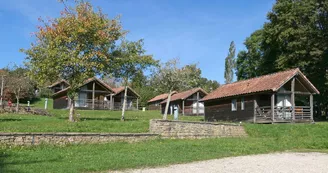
293, 102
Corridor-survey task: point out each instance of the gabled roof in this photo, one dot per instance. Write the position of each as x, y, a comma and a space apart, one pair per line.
106, 86
272, 82
121, 89
185, 94
161, 97
58, 82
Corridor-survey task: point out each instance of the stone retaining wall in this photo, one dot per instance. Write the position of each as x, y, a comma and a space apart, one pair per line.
184, 129
71, 138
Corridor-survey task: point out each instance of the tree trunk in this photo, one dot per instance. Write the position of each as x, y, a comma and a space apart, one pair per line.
17, 104
124, 102
167, 105
71, 110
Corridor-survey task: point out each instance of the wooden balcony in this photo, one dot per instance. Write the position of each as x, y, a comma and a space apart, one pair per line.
101, 105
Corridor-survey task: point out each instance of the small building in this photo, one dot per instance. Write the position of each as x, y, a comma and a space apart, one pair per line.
59, 85
188, 102
155, 103
279, 97
95, 94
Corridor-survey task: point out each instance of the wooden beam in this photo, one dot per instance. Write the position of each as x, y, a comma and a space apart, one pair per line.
293, 97
272, 106
255, 105
311, 105
93, 94
96, 91
295, 92
197, 106
183, 107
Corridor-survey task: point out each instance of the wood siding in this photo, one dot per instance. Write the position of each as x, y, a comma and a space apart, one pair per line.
220, 110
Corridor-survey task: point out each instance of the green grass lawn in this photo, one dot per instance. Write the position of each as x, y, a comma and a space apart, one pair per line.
90, 121
159, 152
116, 156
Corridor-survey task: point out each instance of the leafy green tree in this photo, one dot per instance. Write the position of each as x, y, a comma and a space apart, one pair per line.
230, 63
130, 60
19, 84
75, 46
248, 62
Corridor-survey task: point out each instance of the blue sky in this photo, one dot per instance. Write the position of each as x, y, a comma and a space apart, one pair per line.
198, 31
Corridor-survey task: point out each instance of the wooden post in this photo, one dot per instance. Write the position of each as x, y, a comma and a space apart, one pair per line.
183, 107
111, 102
93, 95
197, 106
311, 106
293, 98
255, 105
137, 103
272, 107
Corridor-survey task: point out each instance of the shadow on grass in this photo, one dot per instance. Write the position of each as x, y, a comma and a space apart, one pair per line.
12, 119
6, 164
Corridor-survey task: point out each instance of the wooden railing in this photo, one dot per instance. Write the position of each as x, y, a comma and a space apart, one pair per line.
101, 105
190, 110
283, 113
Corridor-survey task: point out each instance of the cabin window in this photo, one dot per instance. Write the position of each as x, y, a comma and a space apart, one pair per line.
234, 105
242, 103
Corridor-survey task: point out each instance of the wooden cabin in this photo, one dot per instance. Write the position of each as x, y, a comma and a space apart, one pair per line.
188, 102
279, 97
155, 103
95, 94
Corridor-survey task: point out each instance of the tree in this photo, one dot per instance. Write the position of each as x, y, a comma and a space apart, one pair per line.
230, 63
131, 60
248, 62
169, 77
209, 85
75, 46
19, 84
295, 36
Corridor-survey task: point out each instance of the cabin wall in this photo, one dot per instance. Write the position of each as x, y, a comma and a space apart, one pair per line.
220, 110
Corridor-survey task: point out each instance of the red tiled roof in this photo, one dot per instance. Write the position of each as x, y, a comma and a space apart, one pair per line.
160, 97
120, 89
271, 82
185, 94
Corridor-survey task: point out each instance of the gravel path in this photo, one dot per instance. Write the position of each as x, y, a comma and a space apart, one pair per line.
275, 163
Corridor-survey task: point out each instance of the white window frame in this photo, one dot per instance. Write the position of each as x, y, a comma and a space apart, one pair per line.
242, 104
234, 105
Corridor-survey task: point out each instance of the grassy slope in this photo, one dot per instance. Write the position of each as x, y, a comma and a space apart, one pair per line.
91, 121
113, 156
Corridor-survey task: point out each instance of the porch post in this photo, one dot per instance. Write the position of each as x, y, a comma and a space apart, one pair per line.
197, 107
93, 95
255, 105
272, 107
111, 102
137, 103
311, 106
183, 105
293, 98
